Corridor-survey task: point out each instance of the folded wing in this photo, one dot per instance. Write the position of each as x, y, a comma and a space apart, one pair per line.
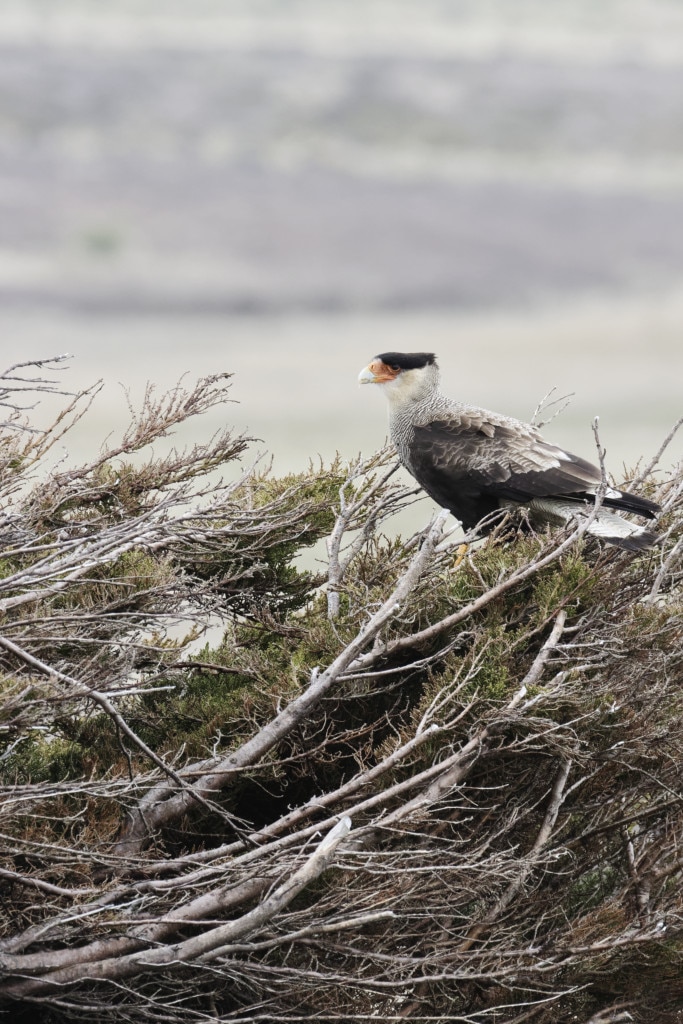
471, 461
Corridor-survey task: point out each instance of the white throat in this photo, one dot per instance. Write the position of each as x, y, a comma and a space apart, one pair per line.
411, 386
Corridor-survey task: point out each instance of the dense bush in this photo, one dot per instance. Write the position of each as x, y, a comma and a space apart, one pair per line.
424, 784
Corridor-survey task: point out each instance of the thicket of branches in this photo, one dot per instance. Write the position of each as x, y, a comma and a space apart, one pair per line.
415, 785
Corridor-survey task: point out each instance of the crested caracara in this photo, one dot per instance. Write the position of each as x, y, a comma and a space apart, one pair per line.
474, 462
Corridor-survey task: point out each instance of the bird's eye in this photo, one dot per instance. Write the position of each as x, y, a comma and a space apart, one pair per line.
396, 368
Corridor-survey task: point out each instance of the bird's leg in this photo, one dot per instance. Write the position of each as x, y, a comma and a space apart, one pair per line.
460, 553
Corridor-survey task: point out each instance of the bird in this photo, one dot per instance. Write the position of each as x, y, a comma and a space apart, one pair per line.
475, 462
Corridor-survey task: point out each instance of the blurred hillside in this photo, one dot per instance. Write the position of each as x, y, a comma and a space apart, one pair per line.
295, 186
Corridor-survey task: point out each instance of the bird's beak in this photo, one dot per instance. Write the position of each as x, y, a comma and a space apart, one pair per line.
367, 376
376, 372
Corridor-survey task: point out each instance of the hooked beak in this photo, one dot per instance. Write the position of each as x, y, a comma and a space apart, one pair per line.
376, 372
366, 376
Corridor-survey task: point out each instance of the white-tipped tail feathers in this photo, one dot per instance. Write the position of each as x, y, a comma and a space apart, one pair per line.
606, 525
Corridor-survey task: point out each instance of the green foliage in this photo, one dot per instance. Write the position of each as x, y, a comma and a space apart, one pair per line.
591, 889
44, 758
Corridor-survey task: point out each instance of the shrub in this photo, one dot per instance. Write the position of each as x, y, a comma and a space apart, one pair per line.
419, 785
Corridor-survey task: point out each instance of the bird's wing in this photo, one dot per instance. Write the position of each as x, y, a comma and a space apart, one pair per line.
499, 457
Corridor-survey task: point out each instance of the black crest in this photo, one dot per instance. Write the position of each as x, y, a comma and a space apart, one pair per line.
408, 360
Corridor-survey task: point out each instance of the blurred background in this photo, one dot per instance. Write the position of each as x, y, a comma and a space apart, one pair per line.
284, 188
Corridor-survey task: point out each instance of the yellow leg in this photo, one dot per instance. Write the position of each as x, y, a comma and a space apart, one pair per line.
460, 554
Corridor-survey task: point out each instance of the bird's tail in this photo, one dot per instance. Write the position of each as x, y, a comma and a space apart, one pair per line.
614, 530
630, 503
606, 525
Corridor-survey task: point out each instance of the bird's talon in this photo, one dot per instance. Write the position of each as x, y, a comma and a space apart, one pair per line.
460, 554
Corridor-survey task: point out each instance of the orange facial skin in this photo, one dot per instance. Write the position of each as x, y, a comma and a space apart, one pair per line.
382, 372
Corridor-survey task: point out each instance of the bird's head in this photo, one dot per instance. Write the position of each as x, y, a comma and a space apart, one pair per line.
404, 376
